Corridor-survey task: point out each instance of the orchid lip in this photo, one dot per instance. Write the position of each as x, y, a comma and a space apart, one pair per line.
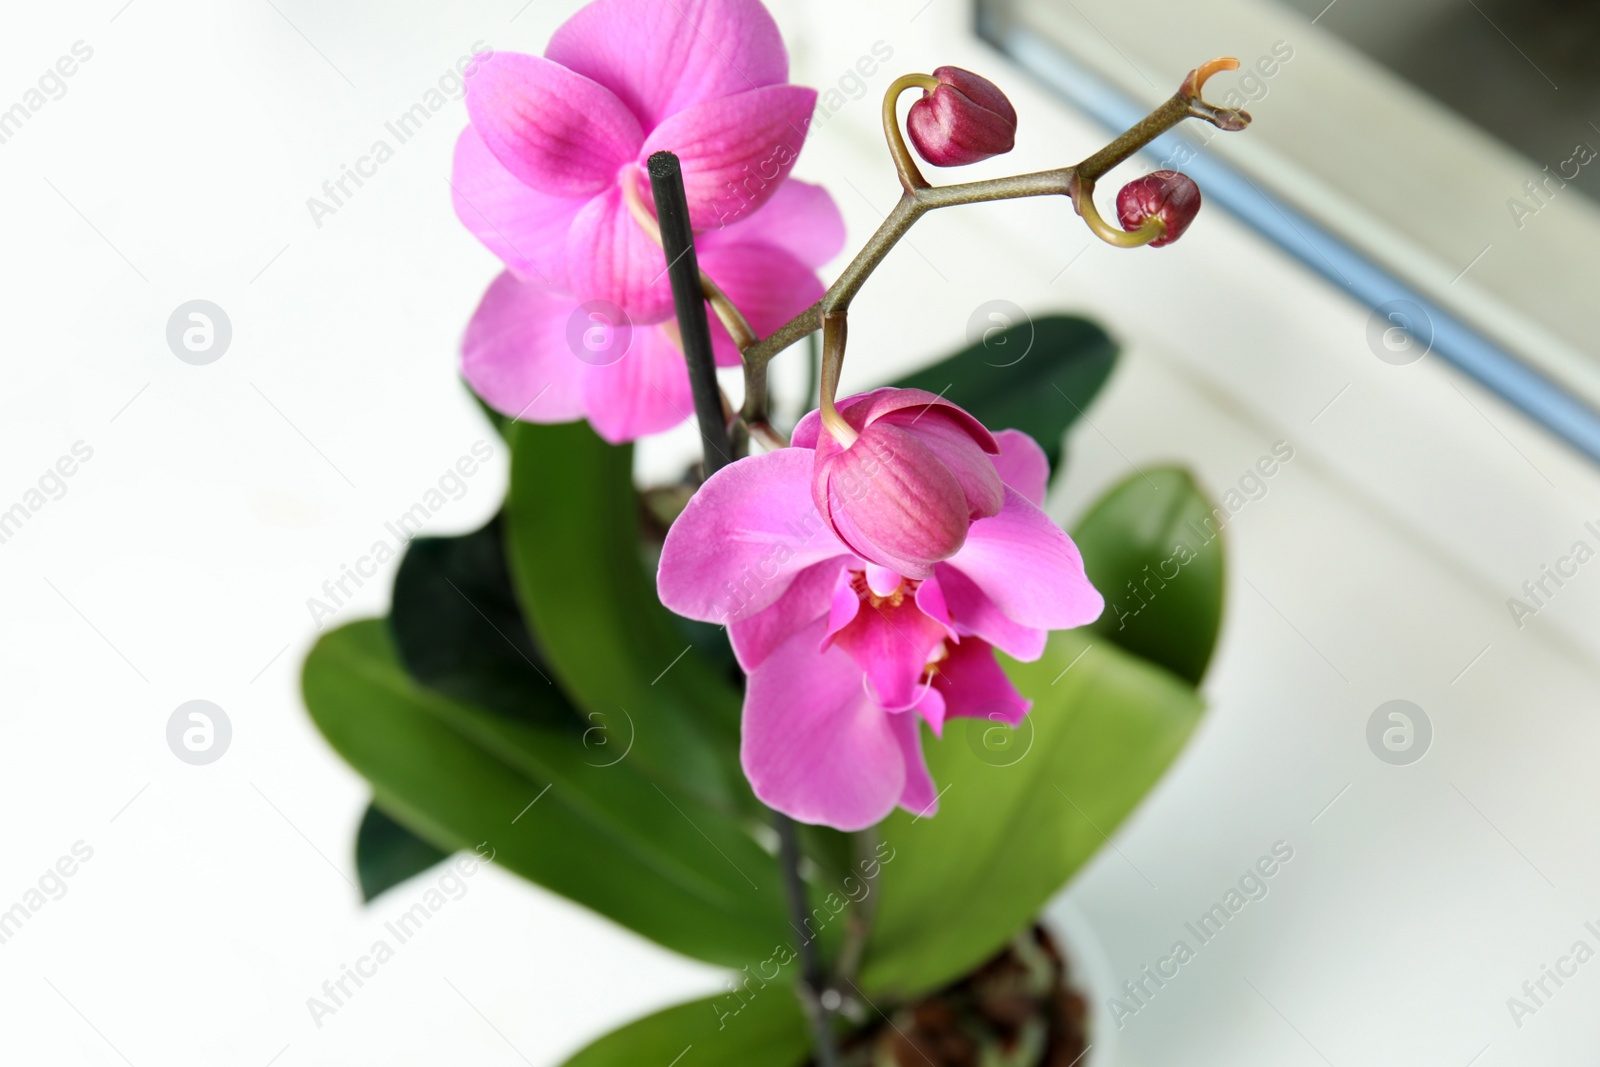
926, 686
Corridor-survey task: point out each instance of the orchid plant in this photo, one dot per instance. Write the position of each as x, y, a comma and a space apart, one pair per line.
752, 756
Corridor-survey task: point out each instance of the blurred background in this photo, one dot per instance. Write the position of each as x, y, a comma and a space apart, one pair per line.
1393, 279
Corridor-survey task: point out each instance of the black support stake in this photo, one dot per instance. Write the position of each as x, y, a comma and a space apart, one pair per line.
683, 267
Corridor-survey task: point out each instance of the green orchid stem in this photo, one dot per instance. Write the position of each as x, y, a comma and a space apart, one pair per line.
1151, 229
689, 300
916, 201
905, 163
813, 980
833, 339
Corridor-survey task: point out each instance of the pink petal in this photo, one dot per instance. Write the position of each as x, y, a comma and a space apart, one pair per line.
848, 534
803, 603
801, 218
1023, 465
976, 615
892, 499
661, 58
1029, 568
919, 797
555, 130
743, 538
974, 686
524, 227
736, 151
892, 644
930, 599
930, 705
767, 284
644, 392
610, 257
844, 604
516, 354
813, 745
864, 408
808, 429
949, 441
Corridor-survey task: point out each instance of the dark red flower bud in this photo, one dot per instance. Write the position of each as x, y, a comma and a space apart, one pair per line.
964, 120
1164, 194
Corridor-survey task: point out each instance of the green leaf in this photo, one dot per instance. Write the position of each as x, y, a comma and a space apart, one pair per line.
501, 423
388, 854
1151, 547
457, 627
1037, 376
643, 852
767, 1029
574, 546
1021, 811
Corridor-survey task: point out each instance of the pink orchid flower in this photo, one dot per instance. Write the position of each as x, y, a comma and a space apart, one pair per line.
579, 325
844, 655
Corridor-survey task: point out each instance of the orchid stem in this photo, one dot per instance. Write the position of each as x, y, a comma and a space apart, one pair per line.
918, 198
731, 317
812, 978
1149, 230
688, 298
833, 341
905, 164
813, 372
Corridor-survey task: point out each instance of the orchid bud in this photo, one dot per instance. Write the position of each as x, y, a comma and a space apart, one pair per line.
964, 120
904, 492
1167, 195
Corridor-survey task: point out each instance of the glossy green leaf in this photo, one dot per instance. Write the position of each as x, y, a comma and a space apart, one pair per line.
1152, 548
766, 1029
1036, 376
458, 629
573, 543
387, 853
1021, 811
568, 815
